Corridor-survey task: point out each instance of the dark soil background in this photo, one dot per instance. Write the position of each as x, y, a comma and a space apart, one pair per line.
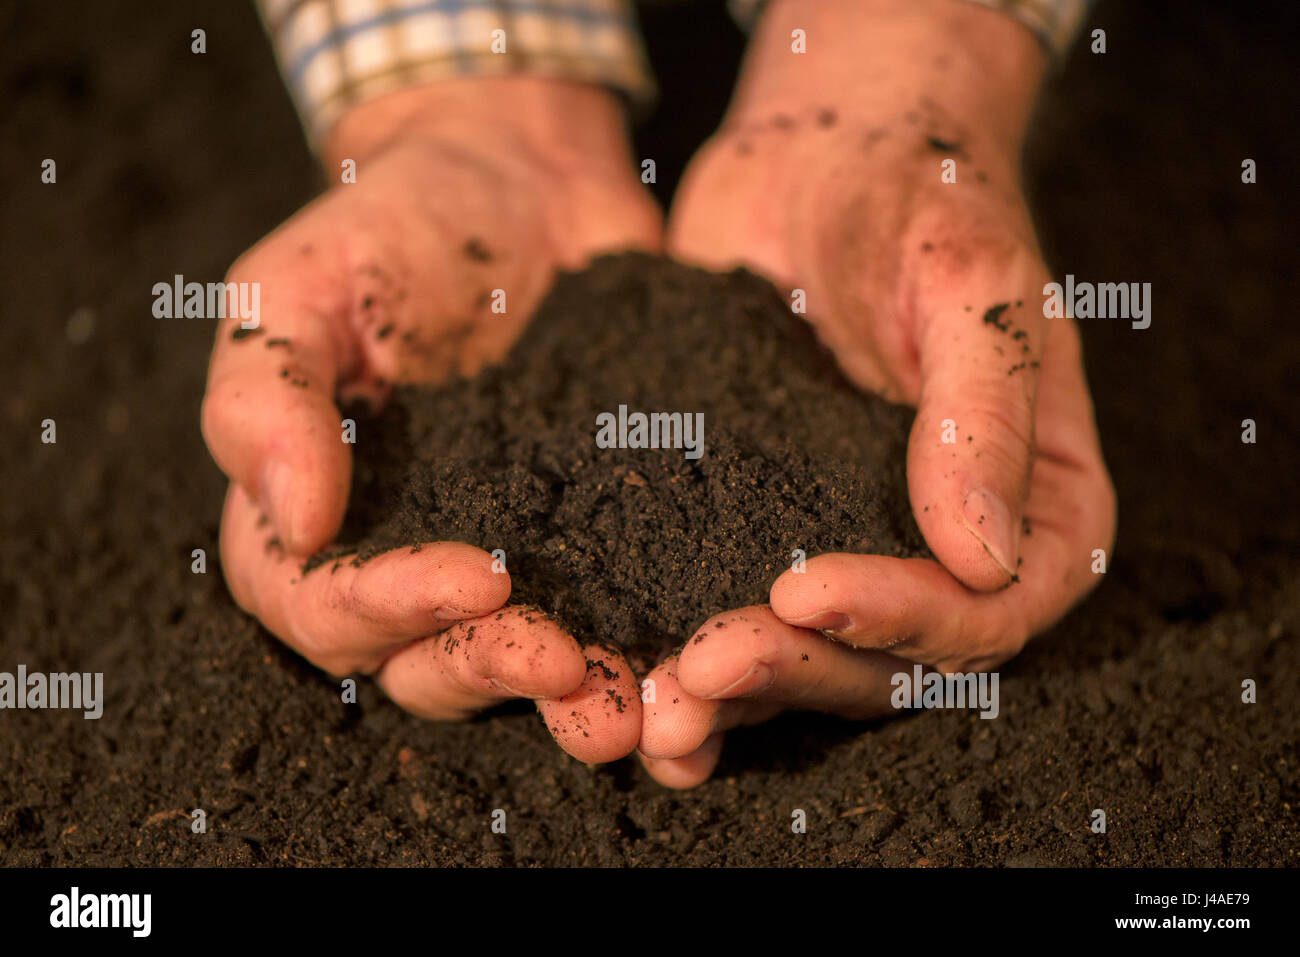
173, 163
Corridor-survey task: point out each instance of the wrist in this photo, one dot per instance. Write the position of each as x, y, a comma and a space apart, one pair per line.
876, 59
568, 126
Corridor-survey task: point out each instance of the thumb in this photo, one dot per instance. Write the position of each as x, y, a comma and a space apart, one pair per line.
972, 445
269, 416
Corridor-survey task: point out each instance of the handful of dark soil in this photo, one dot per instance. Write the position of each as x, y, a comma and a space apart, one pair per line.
639, 546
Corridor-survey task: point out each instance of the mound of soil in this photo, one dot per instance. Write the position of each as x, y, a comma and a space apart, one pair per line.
638, 545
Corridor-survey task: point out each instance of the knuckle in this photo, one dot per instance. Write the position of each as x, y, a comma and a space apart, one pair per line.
361, 598
232, 417
1007, 415
217, 413
425, 701
245, 265
331, 656
237, 579
1010, 422
343, 665
1005, 434
985, 646
312, 641
964, 242
312, 646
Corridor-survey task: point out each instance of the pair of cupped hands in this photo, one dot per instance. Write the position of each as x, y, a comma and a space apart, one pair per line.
496, 183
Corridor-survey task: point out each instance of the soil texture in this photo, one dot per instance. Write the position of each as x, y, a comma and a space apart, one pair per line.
772, 456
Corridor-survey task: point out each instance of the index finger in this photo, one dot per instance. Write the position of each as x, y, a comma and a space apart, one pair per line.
347, 616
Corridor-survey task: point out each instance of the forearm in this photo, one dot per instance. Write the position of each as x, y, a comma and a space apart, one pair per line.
872, 59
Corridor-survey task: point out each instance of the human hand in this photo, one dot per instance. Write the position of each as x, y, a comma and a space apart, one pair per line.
827, 177
462, 188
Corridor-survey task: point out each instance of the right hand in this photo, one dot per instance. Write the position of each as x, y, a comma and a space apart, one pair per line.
462, 188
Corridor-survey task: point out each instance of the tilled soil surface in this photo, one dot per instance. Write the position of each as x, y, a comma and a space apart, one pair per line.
170, 163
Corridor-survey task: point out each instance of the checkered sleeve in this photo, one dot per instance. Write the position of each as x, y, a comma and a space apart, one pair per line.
1054, 22
337, 53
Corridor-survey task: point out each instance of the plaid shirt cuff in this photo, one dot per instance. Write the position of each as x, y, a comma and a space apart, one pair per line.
335, 54
1054, 22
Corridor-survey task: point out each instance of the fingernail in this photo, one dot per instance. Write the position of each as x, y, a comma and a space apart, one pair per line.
277, 495
447, 613
989, 520
755, 680
506, 689
824, 621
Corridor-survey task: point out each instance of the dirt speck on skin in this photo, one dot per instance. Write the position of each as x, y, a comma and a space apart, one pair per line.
942, 146
476, 251
639, 546
993, 316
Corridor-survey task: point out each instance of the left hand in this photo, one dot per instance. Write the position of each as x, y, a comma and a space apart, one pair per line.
827, 177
